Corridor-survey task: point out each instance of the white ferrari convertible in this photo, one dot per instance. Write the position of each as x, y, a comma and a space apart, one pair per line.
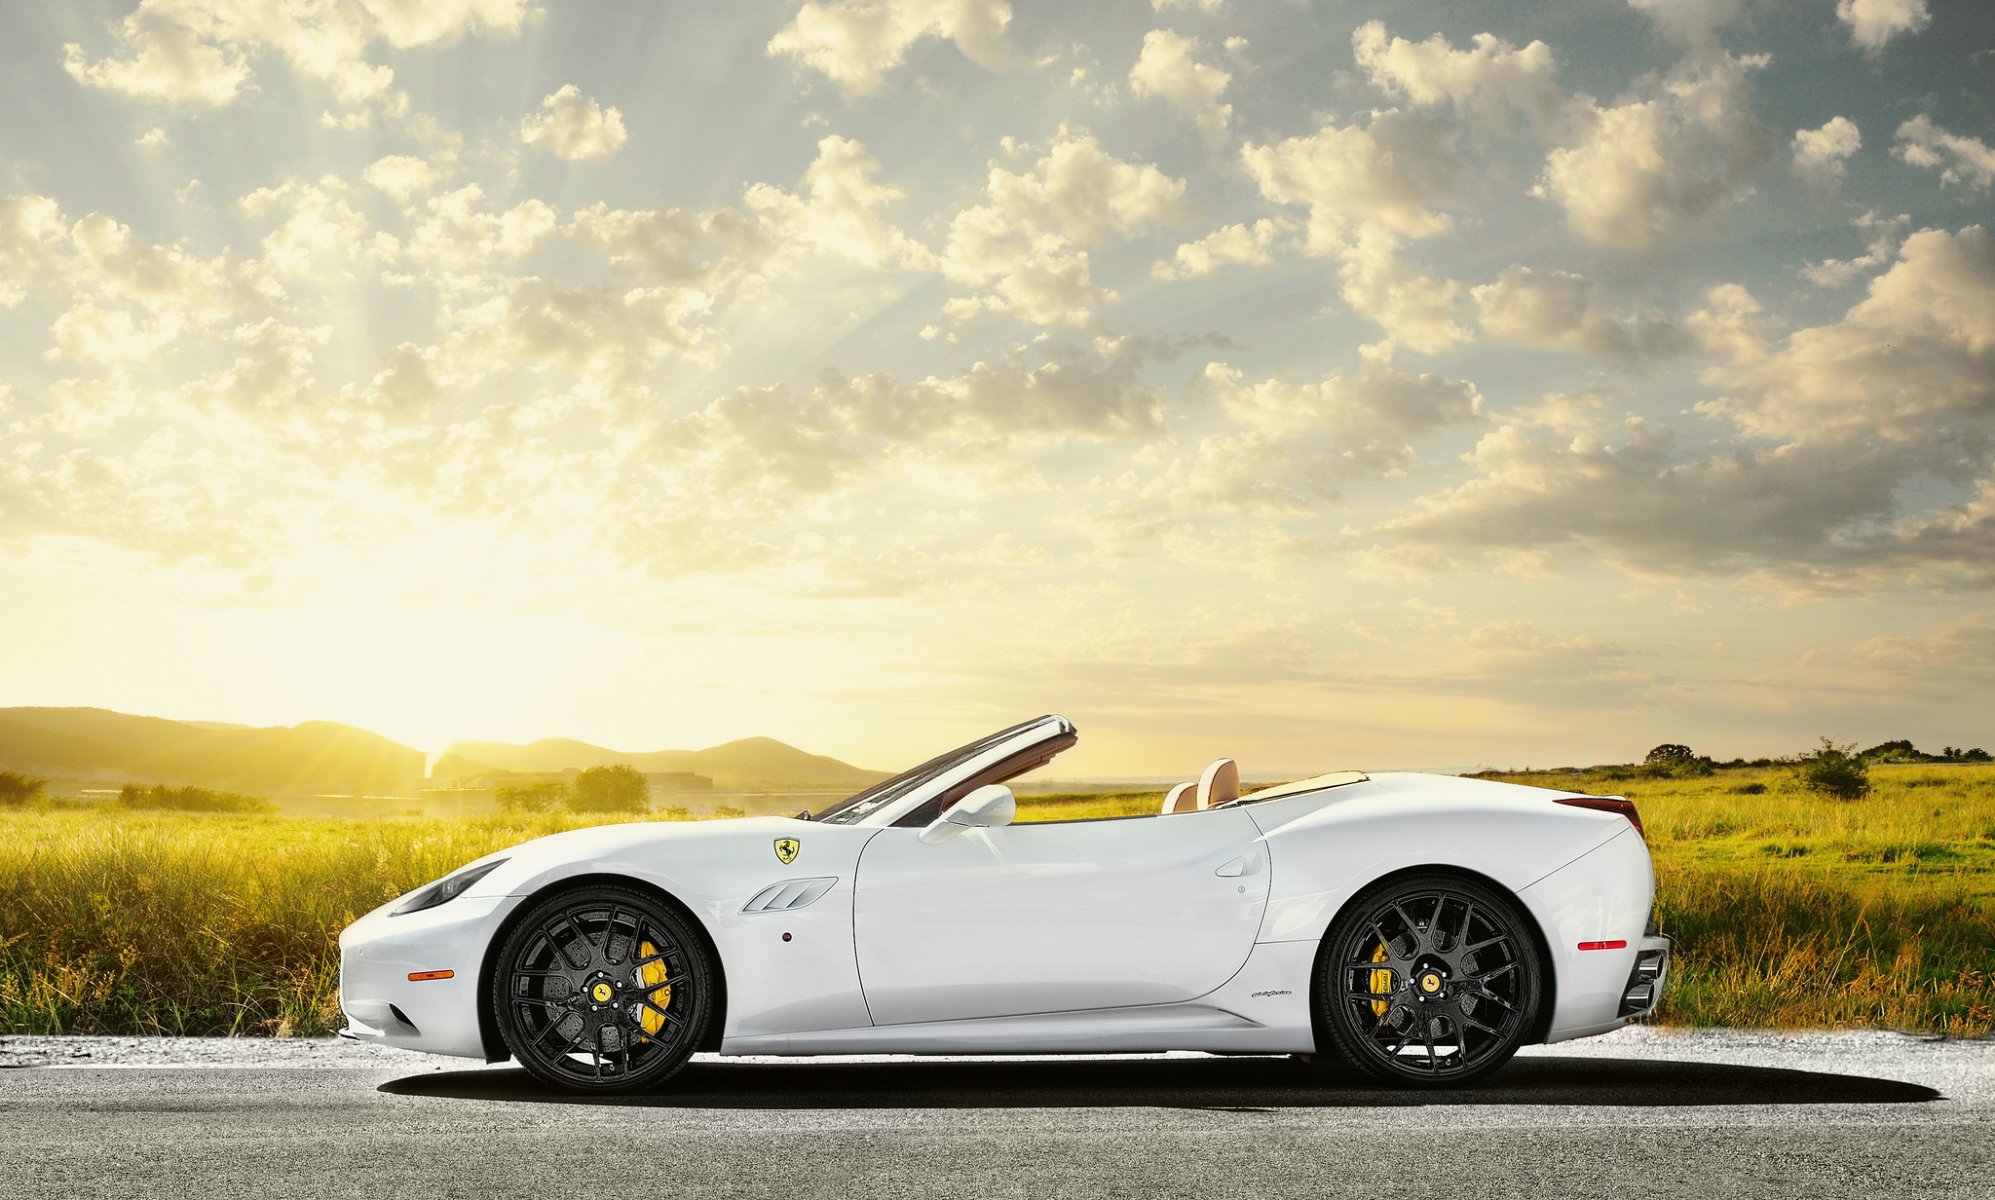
1419, 928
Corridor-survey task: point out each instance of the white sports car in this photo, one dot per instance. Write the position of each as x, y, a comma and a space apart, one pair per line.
1418, 927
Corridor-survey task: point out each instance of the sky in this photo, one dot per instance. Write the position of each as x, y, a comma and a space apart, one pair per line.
1324, 385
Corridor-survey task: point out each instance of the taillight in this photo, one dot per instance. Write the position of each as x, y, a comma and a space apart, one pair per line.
1610, 804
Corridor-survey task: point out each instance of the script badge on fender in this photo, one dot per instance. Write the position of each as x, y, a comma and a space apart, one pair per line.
786, 850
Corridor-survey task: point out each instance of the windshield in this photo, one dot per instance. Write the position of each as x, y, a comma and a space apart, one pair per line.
854, 809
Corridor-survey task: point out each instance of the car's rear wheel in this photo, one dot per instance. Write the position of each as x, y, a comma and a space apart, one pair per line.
602, 989
1428, 980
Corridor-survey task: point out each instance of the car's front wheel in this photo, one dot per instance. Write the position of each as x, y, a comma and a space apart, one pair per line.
1428, 980
602, 989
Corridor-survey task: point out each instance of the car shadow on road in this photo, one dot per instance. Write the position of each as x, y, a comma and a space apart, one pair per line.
1239, 1084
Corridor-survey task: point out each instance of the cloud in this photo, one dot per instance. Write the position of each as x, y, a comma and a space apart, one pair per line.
601, 331
1245, 245
1493, 78
837, 212
1368, 188
1209, 7
318, 234
1957, 157
1820, 154
169, 62
271, 377
400, 175
407, 23
163, 498
1906, 365
1025, 241
712, 250
1842, 431
1416, 308
854, 43
1647, 170
31, 231
199, 52
1873, 23
1371, 417
1696, 22
1881, 243
574, 127
1962, 650
168, 280
1561, 311
461, 245
1284, 452
1169, 68
1387, 173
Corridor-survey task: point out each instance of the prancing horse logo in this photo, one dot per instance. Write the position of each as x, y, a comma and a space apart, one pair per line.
786, 850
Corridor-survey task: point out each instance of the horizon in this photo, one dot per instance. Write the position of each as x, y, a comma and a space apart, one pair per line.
1311, 387
1295, 770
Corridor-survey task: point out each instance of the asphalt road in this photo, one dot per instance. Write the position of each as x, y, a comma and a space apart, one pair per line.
1636, 1114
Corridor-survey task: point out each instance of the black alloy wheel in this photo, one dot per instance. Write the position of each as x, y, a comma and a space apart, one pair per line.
1428, 981
602, 989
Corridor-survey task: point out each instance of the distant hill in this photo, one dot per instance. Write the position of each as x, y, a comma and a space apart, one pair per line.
316, 757
750, 762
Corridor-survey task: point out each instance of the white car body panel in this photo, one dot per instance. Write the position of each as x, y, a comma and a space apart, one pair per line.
1185, 931
984, 925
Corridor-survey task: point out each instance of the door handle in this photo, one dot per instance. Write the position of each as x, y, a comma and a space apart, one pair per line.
1249, 863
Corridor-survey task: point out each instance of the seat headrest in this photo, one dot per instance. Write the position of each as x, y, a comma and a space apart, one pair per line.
1181, 798
1219, 785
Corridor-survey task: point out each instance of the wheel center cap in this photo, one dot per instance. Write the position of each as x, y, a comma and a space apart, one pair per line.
1430, 983
602, 992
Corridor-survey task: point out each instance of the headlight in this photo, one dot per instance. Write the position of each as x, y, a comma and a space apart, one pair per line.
448, 888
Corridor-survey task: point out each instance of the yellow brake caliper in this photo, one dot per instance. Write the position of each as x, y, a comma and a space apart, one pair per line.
1381, 983
651, 975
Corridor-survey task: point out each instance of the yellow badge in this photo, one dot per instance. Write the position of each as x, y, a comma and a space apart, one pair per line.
786, 850
603, 993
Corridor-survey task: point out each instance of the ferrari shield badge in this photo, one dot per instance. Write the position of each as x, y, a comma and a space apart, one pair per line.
786, 850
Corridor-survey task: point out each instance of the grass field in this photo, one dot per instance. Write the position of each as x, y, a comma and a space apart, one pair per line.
1789, 910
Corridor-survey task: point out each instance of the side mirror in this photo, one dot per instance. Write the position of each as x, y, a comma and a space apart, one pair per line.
986, 808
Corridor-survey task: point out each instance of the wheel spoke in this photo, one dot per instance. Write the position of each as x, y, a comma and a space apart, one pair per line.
1488, 1029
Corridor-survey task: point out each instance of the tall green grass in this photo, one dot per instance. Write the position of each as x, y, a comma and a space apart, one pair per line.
1789, 910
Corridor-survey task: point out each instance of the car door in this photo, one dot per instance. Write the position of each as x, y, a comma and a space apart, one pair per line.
1056, 916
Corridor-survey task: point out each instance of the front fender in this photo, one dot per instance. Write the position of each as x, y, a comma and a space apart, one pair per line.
713, 869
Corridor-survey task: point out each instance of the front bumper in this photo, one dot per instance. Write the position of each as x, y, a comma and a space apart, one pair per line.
436, 1013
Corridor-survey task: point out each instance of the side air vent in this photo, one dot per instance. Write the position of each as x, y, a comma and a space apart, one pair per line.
789, 895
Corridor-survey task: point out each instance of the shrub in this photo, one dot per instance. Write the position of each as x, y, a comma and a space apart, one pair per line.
16, 790
1834, 770
1675, 761
1750, 789
619, 789
191, 799
521, 799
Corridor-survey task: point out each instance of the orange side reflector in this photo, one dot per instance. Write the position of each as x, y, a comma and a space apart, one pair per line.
1614, 945
422, 976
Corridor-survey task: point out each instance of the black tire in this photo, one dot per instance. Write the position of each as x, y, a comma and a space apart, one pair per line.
602, 989
1428, 981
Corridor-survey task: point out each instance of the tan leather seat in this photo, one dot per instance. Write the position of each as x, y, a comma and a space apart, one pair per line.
1181, 799
1219, 785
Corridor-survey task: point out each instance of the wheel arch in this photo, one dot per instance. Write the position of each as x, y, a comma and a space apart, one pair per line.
1541, 1022
488, 1017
